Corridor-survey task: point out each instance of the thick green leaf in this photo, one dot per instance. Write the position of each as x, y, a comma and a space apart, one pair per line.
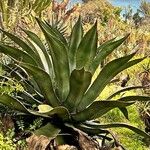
135, 98
21, 43
44, 83
53, 37
75, 39
106, 49
91, 131
87, 49
105, 76
13, 103
45, 26
49, 130
97, 109
79, 82
17, 54
132, 98
60, 112
124, 90
104, 45
57, 32
125, 112
50, 30
118, 125
61, 64
35, 48
46, 60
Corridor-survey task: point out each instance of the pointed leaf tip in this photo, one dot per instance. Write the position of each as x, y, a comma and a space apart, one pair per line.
87, 49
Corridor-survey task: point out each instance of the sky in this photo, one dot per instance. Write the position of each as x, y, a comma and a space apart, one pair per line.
125, 3
122, 3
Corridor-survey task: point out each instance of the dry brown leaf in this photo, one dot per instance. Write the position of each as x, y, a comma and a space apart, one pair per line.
37, 142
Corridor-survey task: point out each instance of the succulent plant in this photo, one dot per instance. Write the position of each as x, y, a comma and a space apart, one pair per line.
56, 75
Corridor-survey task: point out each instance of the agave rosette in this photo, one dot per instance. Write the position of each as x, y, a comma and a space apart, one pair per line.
56, 76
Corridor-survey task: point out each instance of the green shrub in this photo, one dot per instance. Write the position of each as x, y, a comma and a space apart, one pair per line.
6, 143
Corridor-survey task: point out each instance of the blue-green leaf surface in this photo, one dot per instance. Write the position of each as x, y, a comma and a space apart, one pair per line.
60, 61
119, 125
105, 76
43, 81
87, 49
98, 108
103, 51
13, 103
17, 54
38, 43
79, 82
21, 43
75, 39
49, 130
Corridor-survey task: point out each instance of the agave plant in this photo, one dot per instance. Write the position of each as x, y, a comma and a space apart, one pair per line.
56, 75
